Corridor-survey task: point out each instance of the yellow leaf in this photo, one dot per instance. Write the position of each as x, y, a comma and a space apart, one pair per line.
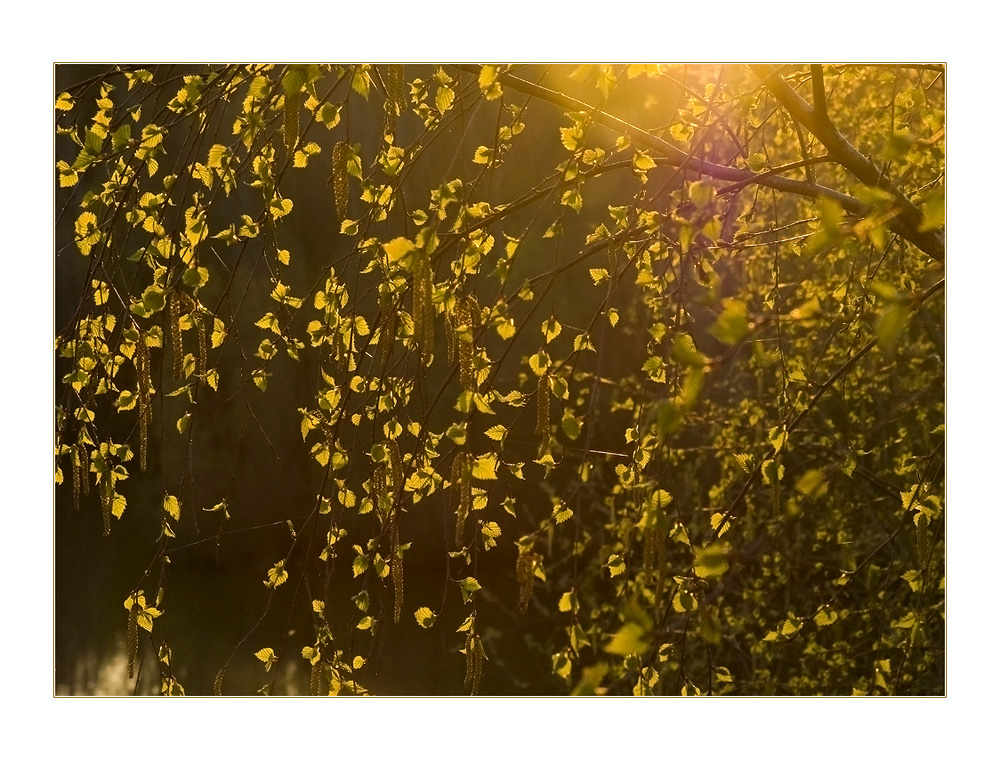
497, 432
266, 656
172, 506
425, 617
444, 98
276, 575
485, 467
642, 162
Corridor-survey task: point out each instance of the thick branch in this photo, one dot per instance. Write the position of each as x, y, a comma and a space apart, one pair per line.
674, 155
907, 224
930, 243
819, 91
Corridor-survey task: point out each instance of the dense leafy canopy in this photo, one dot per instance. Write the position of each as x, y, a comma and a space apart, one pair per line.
486, 379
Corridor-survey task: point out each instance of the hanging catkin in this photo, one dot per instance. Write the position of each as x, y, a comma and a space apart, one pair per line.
395, 101
107, 496
543, 425
199, 324
315, 678
397, 86
423, 306
525, 574
176, 340
84, 468
923, 542
612, 265
340, 186
466, 318
474, 655
132, 637
145, 383
76, 465
449, 324
461, 475
396, 569
291, 121
387, 335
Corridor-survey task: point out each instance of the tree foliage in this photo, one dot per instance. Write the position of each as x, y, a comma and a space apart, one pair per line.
595, 380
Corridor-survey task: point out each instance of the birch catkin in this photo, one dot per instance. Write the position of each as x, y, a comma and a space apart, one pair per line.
395, 101
423, 306
76, 465
145, 383
543, 425
396, 570
340, 185
466, 317
525, 573
461, 475
291, 131
176, 340
474, 655
132, 636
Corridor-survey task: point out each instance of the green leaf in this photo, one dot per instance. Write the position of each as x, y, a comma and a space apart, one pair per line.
444, 98
561, 513
457, 434
599, 275
539, 363
684, 352
153, 299
890, 326
294, 79
483, 155
732, 324
266, 656
359, 565
398, 249
567, 602
551, 329
826, 617
630, 639
684, 601
701, 193
570, 425
711, 561
615, 565
642, 162
757, 162
777, 436
933, 211
812, 483
276, 575
469, 587
195, 277
497, 432
772, 472
121, 137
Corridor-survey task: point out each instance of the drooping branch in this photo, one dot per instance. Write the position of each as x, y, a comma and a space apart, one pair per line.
816, 120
